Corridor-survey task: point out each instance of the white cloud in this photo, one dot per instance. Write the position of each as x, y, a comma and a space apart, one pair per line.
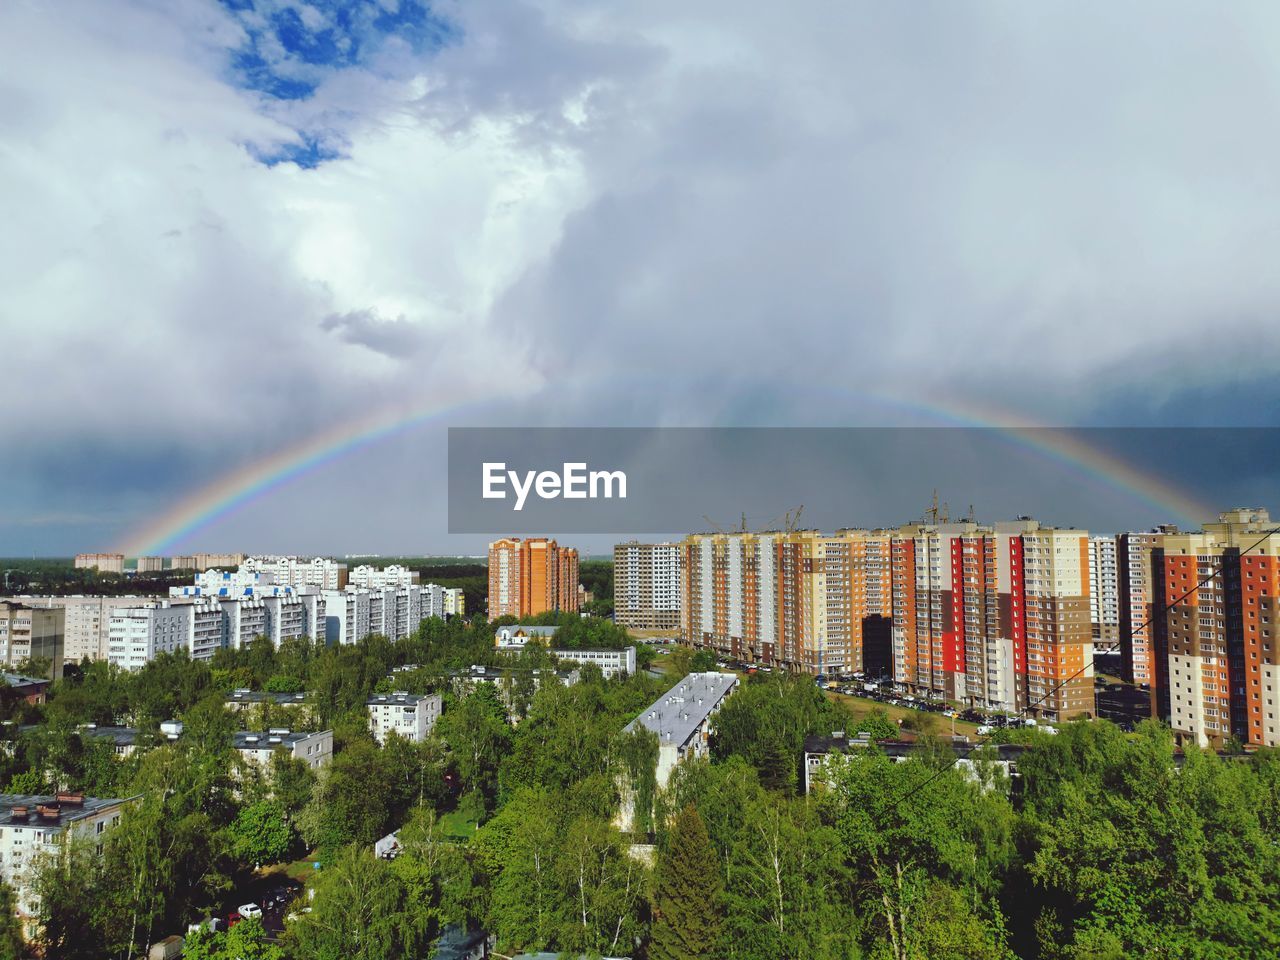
716, 201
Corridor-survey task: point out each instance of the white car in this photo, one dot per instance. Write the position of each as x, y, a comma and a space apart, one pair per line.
249, 910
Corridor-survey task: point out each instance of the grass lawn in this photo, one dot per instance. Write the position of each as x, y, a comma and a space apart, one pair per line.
860, 707
457, 823
300, 870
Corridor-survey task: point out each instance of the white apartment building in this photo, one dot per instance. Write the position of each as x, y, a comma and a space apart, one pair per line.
232, 583
319, 572
455, 604
244, 619
138, 634
372, 578
682, 718
288, 618
346, 615
412, 717
646, 585
1104, 590
316, 749
32, 825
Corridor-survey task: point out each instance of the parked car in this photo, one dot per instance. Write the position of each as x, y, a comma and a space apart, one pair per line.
212, 924
250, 910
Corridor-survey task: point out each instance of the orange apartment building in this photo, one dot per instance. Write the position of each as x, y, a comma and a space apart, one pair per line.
1218, 635
798, 600
532, 576
989, 616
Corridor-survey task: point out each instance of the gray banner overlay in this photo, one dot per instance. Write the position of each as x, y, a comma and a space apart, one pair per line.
690, 479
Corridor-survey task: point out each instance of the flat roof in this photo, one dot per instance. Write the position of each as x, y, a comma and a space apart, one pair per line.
398, 699
678, 714
258, 696
266, 739
66, 812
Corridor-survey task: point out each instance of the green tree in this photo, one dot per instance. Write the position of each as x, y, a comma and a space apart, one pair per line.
12, 945
687, 908
359, 912
261, 834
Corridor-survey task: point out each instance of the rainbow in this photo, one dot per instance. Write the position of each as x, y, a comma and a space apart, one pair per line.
1073, 452
259, 479
255, 481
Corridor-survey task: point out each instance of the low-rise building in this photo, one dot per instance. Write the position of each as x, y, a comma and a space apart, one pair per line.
242, 699
681, 719
316, 749
611, 662
30, 689
821, 754
31, 825
514, 636
409, 715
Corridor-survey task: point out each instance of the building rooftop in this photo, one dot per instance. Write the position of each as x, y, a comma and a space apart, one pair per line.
265, 740
45, 810
18, 680
681, 710
397, 699
899, 749
259, 696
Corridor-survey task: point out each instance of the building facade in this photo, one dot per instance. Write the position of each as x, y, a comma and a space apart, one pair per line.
206, 561
32, 825
1104, 591
411, 716
102, 562
374, 578
646, 585
532, 576
319, 572
1139, 559
136, 635
29, 632
256, 748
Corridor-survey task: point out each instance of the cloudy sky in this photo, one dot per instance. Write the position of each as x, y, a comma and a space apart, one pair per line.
228, 227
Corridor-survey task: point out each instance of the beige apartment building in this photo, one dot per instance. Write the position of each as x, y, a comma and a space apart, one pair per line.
103, 562
28, 632
87, 622
646, 585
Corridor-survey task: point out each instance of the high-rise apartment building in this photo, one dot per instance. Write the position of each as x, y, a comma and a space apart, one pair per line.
28, 632
1141, 598
150, 564
86, 621
798, 600
1104, 591
646, 585
375, 578
993, 616
319, 572
528, 577
206, 561
104, 562
455, 602
1217, 630
138, 634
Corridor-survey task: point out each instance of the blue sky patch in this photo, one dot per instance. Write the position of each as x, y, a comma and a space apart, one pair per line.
290, 45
